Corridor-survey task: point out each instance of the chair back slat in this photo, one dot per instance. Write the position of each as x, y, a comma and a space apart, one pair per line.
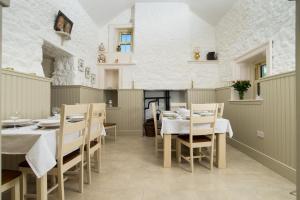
203, 131
78, 128
95, 121
154, 112
69, 147
71, 127
176, 106
202, 119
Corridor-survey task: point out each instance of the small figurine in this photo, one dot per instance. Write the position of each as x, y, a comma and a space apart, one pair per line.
197, 53
101, 47
101, 58
119, 48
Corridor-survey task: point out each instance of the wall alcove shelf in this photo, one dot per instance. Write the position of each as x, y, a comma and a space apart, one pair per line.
203, 61
116, 64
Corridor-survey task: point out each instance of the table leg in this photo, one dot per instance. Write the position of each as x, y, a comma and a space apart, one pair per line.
221, 151
41, 188
167, 151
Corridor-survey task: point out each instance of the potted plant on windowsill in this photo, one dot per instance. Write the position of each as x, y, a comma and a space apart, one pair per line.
241, 87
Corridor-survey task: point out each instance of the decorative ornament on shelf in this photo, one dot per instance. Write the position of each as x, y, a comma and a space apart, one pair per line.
101, 58
241, 87
80, 65
101, 54
101, 47
212, 56
197, 53
87, 73
119, 48
93, 79
63, 26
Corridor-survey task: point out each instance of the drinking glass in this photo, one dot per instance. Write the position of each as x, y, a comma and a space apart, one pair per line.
15, 117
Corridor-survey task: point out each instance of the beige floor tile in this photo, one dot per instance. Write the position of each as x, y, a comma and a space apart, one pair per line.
130, 170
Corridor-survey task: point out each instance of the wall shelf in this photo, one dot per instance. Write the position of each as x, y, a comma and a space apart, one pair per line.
203, 61
64, 35
116, 64
247, 101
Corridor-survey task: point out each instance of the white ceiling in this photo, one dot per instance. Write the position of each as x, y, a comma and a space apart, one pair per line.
102, 11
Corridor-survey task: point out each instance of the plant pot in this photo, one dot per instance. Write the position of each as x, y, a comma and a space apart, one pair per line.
241, 95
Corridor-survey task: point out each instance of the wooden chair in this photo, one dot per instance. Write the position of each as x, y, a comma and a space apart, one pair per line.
93, 140
11, 181
70, 154
202, 133
157, 134
175, 106
108, 126
220, 110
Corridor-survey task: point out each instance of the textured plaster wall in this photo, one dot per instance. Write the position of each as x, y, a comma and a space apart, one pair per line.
249, 24
165, 35
27, 23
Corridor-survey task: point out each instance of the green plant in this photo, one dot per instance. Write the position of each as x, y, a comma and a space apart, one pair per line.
241, 87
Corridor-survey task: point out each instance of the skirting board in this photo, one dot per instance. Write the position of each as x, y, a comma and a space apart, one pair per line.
266, 160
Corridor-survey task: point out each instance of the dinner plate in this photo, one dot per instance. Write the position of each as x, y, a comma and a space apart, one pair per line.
17, 122
169, 114
49, 123
76, 118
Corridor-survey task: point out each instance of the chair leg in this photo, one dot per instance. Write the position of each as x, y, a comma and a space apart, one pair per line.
191, 159
98, 160
15, 193
61, 190
200, 159
115, 133
178, 150
212, 157
88, 168
23, 185
156, 145
103, 139
53, 180
81, 175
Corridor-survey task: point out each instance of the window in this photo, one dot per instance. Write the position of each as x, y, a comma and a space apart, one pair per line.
125, 42
260, 72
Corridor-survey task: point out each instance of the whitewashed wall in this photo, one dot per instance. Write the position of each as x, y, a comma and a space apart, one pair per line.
251, 23
165, 34
27, 23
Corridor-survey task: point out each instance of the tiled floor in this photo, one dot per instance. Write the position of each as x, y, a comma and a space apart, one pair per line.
131, 171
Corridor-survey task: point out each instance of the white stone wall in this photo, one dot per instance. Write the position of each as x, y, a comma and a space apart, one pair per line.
165, 35
27, 23
251, 23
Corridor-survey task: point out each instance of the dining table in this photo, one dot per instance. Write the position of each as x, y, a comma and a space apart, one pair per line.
39, 145
181, 125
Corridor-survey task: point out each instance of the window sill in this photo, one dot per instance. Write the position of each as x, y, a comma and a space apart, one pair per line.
247, 102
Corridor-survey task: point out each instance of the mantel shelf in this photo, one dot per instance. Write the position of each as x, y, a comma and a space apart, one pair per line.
203, 61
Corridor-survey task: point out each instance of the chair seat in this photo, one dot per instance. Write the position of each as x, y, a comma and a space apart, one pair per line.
9, 175
66, 159
109, 124
196, 138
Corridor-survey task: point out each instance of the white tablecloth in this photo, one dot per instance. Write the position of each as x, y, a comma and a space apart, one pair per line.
180, 126
38, 145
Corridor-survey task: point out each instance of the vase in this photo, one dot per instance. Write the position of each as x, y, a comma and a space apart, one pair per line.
241, 95
197, 55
